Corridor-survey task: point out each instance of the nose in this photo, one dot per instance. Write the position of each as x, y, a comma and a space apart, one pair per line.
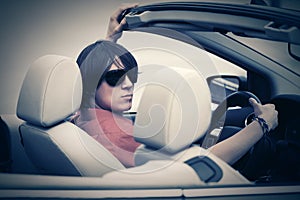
127, 84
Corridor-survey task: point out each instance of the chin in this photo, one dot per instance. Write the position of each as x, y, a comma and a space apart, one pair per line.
127, 108
123, 108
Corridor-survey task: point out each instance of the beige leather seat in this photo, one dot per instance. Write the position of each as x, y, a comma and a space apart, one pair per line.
174, 111
51, 92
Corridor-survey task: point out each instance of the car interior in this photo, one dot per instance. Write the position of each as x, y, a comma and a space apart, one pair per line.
55, 146
41, 140
174, 121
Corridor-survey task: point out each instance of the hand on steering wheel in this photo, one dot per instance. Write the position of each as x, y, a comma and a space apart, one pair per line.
266, 112
239, 98
242, 99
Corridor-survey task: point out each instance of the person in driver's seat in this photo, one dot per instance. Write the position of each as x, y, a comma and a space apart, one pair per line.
109, 72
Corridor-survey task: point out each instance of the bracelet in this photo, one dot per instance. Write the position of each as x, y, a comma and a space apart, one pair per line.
263, 124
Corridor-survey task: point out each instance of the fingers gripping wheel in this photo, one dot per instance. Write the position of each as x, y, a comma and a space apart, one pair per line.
239, 98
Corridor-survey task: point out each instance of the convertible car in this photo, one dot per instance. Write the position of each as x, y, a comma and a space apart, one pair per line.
199, 63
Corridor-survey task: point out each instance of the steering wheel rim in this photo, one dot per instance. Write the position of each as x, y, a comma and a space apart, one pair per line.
239, 98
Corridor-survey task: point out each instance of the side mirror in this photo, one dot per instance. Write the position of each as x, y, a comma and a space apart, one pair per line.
224, 85
294, 51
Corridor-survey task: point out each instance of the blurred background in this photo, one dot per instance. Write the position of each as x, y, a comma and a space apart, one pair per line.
32, 28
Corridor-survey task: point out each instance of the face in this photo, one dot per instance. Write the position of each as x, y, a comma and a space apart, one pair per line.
115, 98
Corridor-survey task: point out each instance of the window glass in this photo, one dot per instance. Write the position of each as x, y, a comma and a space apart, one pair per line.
153, 52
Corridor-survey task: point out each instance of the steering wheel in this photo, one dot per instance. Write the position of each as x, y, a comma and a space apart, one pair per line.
239, 98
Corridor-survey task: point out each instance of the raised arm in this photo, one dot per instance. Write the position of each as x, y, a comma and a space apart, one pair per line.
115, 27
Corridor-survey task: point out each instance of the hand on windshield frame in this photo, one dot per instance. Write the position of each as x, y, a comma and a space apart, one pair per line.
115, 27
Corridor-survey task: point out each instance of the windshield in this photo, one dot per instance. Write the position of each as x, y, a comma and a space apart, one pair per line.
277, 51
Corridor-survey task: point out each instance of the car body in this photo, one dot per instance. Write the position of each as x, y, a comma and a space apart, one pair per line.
235, 47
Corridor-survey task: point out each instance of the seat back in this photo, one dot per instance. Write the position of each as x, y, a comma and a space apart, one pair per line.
52, 92
10, 138
174, 112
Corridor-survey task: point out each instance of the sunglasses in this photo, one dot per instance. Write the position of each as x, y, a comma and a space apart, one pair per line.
116, 77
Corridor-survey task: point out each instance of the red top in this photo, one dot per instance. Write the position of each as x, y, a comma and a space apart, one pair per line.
113, 131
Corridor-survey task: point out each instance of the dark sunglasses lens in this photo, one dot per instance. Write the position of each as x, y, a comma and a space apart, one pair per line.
115, 77
132, 75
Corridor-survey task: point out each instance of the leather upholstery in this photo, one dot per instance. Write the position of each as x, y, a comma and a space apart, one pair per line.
174, 110
51, 92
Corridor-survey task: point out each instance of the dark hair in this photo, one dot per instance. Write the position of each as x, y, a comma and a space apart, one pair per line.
95, 60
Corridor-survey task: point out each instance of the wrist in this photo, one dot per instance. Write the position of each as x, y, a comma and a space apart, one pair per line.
109, 38
263, 124
113, 38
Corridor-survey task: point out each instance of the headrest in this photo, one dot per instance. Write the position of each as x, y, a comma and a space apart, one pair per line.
174, 110
51, 91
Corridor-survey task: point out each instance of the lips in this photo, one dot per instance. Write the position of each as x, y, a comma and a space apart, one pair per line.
127, 96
